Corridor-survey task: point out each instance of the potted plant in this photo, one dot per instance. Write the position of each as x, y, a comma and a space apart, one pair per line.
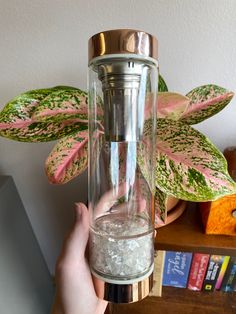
189, 167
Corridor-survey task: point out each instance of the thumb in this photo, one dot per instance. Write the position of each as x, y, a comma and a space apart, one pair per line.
75, 245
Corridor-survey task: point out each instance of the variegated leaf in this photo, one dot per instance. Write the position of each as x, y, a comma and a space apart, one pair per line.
64, 87
171, 105
145, 152
68, 158
160, 207
188, 165
17, 112
63, 104
16, 120
162, 87
42, 132
206, 101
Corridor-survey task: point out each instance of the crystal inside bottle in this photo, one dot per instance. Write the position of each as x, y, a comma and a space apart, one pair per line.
121, 249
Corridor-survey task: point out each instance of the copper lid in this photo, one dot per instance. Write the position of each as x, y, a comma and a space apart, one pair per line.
122, 41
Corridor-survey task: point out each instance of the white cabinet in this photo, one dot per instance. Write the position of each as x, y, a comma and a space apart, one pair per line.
25, 283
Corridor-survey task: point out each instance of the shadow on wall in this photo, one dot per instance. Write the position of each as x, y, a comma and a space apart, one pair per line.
49, 207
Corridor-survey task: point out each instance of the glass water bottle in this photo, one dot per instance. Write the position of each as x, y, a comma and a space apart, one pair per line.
123, 74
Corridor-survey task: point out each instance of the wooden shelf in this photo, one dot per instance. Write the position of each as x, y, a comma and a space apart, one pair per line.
184, 301
186, 234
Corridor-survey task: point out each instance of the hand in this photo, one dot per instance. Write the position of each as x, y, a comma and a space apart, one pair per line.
75, 292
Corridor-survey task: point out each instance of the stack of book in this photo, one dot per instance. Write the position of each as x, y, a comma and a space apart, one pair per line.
195, 271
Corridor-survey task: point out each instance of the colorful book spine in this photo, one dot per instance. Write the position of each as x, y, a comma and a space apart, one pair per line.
222, 273
198, 271
212, 272
229, 280
176, 269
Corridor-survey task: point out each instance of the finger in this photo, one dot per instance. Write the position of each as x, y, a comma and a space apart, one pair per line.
76, 242
109, 199
101, 306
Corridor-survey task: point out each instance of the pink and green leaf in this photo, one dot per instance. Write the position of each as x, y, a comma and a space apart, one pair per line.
17, 112
160, 207
171, 105
68, 159
145, 150
42, 132
17, 122
63, 104
205, 101
188, 165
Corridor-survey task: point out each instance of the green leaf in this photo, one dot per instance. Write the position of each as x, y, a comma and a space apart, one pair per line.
17, 122
42, 132
188, 165
63, 103
160, 207
171, 105
162, 87
205, 101
145, 150
64, 87
17, 112
68, 159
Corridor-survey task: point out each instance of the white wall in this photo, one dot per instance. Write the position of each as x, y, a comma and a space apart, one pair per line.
44, 43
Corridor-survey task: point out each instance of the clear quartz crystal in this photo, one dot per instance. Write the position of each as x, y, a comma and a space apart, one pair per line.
121, 248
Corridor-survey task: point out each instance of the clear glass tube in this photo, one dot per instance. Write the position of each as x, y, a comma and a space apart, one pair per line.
122, 141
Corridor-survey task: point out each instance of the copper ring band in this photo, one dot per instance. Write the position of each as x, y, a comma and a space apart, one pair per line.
126, 293
123, 41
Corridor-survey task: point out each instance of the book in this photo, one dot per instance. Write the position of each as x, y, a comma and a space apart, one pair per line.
222, 273
229, 280
159, 261
212, 272
176, 269
198, 271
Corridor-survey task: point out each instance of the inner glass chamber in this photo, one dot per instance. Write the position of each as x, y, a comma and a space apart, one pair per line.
122, 143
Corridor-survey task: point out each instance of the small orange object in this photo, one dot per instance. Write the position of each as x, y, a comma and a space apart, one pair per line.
219, 217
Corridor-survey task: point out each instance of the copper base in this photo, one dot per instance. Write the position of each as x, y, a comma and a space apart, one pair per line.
123, 293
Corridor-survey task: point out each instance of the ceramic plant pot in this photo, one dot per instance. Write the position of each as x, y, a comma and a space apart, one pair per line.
175, 209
